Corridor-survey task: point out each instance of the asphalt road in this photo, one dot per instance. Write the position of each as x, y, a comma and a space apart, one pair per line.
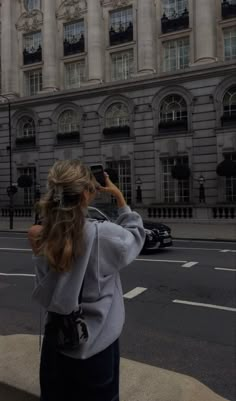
180, 307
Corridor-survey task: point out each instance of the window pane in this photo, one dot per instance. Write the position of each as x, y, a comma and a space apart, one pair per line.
32, 5
33, 82
123, 170
74, 74
230, 43
26, 127
26, 195
117, 115
122, 65
174, 191
68, 122
176, 54
174, 8
121, 19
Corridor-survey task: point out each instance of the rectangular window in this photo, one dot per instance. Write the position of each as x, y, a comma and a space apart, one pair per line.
230, 183
121, 26
230, 43
122, 65
33, 82
74, 38
174, 191
27, 195
176, 54
74, 74
174, 8
32, 48
123, 171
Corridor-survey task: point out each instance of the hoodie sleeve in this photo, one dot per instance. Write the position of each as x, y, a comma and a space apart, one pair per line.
120, 242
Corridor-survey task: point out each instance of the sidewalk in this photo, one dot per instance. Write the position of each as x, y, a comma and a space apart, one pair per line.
19, 364
215, 230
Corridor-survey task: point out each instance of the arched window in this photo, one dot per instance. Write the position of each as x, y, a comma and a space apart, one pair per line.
117, 122
229, 103
173, 113
26, 127
32, 5
117, 115
68, 122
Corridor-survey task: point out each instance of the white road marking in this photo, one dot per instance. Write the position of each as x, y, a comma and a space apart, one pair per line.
190, 264
203, 241
198, 249
227, 250
133, 293
17, 275
15, 249
225, 269
161, 260
18, 238
178, 301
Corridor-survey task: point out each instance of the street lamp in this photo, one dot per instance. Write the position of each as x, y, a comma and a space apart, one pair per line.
201, 181
10, 189
138, 183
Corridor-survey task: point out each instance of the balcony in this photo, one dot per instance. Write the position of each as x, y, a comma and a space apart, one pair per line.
173, 125
229, 119
26, 141
32, 56
117, 132
228, 9
66, 138
122, 34
175, 22
74, 46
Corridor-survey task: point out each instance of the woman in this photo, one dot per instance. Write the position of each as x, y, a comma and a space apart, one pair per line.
77, 265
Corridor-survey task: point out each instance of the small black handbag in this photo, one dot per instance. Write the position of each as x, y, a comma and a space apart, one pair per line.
69, 331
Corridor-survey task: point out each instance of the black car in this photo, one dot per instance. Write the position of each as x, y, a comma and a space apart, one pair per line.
157, 235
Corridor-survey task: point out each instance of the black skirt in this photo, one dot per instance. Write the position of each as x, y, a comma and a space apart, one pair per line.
63, 378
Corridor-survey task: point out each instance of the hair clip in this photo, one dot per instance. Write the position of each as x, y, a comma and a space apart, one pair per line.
58, 195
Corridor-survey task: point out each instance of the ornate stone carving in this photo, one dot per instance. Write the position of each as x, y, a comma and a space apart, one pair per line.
115, 3
30, 22
71, 9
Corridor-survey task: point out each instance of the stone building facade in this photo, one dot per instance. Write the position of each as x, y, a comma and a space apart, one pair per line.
137, 85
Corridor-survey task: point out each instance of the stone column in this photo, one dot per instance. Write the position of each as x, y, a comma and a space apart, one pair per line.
49, 36
145, 29
9, 49
95, 42
205, 31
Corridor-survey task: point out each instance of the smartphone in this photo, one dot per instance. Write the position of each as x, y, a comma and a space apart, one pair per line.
98, 172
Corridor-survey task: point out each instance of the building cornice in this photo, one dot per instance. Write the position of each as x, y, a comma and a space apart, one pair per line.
141, 83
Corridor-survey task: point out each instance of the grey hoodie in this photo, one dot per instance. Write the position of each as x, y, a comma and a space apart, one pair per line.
109, 248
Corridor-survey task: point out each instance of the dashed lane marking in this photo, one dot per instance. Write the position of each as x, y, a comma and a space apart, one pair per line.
17, 275
15, 250
228, 250
178, 301
134, 293
190, 264
161, 260
225, 269
201, 249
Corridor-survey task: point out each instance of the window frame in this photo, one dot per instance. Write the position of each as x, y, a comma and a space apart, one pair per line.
177, 57
176, 186
27, 90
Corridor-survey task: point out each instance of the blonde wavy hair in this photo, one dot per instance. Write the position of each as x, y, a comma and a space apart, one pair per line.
61, 239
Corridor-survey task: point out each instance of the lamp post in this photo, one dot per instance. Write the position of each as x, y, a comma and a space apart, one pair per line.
138, 183
201, 181
10, 189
